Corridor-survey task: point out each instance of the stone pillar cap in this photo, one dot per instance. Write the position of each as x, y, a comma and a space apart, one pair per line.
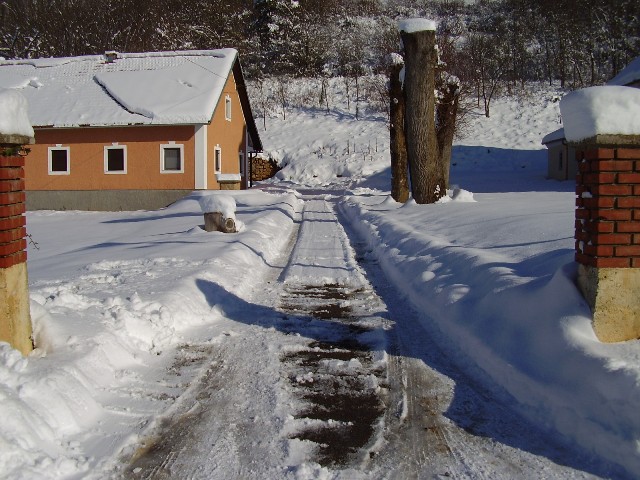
16, 140
609, 140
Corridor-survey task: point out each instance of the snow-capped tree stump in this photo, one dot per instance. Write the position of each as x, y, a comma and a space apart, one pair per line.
217, 222
219, 213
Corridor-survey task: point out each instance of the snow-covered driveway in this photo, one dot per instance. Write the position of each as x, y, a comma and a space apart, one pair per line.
318, 377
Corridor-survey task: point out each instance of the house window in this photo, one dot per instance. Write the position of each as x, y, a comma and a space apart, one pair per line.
241, 160
59, 160
227, 107
115, 159
172, 158
217, 159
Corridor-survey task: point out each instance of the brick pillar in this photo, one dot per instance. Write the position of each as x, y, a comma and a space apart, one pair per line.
608, 235
15, 320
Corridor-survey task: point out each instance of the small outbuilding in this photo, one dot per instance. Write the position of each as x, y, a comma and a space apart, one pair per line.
561, 157
126, 131
561, 164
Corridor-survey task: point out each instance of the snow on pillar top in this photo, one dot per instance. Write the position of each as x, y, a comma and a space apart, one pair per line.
412, 25
601, 111
13, 117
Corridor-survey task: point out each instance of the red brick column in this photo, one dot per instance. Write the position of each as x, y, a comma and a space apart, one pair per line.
607, 234
608, 207
12, 209
15, 318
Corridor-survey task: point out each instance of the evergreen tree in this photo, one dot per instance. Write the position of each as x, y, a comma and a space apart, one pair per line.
277, 28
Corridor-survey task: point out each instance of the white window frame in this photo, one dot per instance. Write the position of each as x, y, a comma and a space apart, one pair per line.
171, 145
115, 146
50, 166
227, 108
217, 159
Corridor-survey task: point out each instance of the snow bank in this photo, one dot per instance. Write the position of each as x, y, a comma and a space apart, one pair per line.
457, 194
412, 25
608, 110
109, 321
13, 114
495, 281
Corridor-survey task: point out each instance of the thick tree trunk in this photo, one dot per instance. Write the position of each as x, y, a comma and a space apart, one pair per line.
398, 145
446, 112
427, 178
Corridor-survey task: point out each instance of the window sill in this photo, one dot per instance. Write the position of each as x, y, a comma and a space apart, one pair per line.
228, 177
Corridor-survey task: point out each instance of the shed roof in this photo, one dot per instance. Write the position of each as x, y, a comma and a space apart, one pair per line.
628, 75
158, 88
555, 136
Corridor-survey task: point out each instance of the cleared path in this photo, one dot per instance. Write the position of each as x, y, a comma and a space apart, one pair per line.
326, 373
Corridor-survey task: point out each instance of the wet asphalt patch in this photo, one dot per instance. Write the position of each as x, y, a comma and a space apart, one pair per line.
334, 376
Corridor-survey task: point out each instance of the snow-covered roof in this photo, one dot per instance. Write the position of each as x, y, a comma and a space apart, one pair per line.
628, 75
159, 88
554, 136
593, 111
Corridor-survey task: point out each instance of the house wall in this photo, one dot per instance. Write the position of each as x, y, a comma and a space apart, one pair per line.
230, 135
86, 159
88, 187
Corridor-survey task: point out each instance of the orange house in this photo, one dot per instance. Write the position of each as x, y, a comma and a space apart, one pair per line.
135, 130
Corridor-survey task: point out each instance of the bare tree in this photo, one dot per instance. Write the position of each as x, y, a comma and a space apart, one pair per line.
428, 182
446, 115
488, 64
282, 92
398, 142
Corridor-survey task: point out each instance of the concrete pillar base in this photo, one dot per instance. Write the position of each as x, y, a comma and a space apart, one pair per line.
614, 297
14, 308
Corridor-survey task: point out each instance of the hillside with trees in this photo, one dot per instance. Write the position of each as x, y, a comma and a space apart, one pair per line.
491, 45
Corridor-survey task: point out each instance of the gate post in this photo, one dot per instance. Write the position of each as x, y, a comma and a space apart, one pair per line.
15, 319
607, 234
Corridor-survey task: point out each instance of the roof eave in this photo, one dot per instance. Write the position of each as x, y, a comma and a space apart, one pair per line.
252, 129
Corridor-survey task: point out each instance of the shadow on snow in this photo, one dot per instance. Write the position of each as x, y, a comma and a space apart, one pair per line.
473, 405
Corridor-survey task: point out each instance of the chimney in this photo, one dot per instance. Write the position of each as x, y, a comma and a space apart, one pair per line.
110, 56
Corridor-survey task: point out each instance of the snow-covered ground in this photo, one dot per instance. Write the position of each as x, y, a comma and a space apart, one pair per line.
127, 307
